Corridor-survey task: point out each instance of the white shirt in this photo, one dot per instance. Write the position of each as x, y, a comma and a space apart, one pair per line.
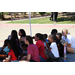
70, 40
54, 49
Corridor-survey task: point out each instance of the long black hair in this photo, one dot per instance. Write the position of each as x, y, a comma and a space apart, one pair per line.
30, 40
13, 46
15, 38
14, 34
23, 32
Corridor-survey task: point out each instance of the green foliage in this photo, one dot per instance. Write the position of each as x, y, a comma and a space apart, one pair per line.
33, 13
42, 13
6, 13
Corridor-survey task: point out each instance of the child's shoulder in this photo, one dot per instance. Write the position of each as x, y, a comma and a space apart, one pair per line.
39, 41
53, 43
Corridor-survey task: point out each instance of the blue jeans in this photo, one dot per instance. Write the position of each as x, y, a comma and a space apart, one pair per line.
42, 59
15, 61
0, 49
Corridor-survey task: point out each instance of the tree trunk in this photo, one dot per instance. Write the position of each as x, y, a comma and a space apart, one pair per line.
2, 16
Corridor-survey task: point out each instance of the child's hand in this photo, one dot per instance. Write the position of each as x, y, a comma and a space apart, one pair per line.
24, 58
65, 44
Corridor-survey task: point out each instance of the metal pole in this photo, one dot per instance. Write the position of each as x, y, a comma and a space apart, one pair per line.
30, 24
11, 16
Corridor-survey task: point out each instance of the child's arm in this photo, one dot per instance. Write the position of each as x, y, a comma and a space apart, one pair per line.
21, 56
28, 57
8, 59
65, 44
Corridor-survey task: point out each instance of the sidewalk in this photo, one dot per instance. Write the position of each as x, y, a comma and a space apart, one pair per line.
5, 22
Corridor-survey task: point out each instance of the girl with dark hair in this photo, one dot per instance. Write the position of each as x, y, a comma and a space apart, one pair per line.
13, 53
14, 34
5, 49
14, 37
32, 50
52, 52
22, 35
40, 44
40, 36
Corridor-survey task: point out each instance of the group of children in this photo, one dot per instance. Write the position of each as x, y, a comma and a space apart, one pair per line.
24, 50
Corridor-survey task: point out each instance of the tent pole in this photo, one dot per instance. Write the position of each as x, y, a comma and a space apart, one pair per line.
11, 16
30, 24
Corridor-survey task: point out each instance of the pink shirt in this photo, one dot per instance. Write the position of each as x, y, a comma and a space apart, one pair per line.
33, 50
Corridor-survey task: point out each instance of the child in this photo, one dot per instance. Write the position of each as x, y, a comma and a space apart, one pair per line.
22, 35
60, 46
45, 37
14, 37
46, 43
40, 44
24, 53
54, 31
33, 53
13, 53
52, 52
5, 49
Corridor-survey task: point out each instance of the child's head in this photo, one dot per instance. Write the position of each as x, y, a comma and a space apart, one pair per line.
54, 31
59, 36
24, 46
6, 42
39, 36
14, 34
22, 33
28, 40
52, 38
45, 36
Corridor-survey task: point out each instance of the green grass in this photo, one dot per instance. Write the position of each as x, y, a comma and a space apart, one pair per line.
45, 21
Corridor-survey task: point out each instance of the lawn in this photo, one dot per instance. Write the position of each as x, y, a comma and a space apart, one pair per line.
60, 20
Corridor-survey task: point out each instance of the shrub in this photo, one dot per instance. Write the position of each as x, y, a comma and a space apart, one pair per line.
42, 13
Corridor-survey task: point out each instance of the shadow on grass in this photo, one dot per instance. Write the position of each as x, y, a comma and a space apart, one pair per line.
66, 19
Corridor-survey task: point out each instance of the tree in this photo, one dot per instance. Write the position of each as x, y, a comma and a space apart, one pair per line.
2, 15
